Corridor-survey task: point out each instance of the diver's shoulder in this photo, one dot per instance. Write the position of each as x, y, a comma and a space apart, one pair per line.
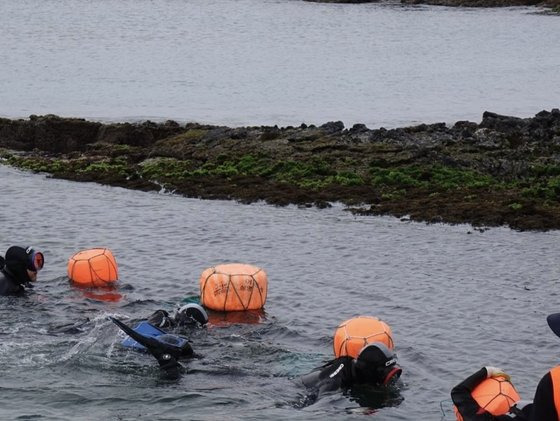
8, 286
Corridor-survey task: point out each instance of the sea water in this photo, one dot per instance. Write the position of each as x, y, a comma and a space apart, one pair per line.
455, 297
284, 62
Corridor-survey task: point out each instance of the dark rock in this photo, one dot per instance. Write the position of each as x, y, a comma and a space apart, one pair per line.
48, 133
332, 127
502, 171
500, 122
359, 128
475, 3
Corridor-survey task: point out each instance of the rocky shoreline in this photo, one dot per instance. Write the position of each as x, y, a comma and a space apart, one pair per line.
553, 4
504, 171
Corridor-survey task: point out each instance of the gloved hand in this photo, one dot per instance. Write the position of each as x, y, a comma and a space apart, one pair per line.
496, 372
160, 318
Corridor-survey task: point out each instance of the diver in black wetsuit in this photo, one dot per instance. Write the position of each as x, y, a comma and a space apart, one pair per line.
545, 405
376, 365
470, 410
18, 269
169, 348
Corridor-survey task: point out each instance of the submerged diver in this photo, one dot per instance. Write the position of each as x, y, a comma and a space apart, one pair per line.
167, 348
18, 269
375, 365
545, 405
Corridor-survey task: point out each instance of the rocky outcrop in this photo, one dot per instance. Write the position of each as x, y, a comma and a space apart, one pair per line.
502, 171
462, 3
476, 3
62, 135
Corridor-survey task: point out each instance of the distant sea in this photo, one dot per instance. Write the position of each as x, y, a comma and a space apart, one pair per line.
267, 62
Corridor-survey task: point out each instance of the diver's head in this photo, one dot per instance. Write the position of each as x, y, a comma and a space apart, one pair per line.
190, 314
553, 321
24, 263
376, 364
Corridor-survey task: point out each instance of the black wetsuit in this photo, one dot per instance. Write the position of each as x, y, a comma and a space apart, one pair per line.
8, 283
543, 402
14, 274
339, 374
334, 375
471, 411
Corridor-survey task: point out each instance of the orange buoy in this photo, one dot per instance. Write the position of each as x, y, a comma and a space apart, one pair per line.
233, 287
93, 268
496, 395
353, 334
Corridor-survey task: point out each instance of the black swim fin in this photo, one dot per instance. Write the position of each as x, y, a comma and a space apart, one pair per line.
167, 361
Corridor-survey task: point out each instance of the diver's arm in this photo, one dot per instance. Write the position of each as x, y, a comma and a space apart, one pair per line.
336, 376
8, 286
328, 378
311, 380
543, 404
330, 384
465, 403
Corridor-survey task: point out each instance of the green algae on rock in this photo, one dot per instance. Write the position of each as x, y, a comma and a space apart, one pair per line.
503, 171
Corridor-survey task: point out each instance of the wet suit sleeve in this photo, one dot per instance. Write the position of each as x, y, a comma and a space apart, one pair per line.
543, 403
467, 406
332, 379
9, 287
332, 376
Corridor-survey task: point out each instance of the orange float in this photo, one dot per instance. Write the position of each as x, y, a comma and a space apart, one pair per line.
495, 394
93, 268
233, 287
353, 334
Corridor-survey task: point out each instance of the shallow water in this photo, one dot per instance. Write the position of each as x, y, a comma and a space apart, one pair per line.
252, 62
456, 299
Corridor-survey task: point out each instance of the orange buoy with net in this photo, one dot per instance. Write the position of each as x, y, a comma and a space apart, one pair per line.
233, 287
93, 268
496, 395
353, 334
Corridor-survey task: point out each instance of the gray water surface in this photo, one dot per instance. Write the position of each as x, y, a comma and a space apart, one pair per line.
252, 62
456, 299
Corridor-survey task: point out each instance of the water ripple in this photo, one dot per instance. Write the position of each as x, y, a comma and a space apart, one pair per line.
455, 298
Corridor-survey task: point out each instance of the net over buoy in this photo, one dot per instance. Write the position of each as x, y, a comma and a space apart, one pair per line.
93, 268
353, 334
495, 394
233, 287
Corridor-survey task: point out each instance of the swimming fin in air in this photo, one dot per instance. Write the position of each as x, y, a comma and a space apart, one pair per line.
166, 348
